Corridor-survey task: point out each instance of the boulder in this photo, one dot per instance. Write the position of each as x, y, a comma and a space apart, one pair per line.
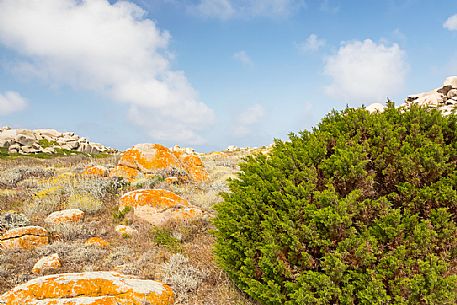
28, 237
97, 241
86, 288
96, 170
193, 165
65, 216
158, 206
150, 159
452, 93
48, 133
47, 263
126, 172
24, 139
431, 98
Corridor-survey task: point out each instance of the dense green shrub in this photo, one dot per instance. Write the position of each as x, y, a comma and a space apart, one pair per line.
362, 210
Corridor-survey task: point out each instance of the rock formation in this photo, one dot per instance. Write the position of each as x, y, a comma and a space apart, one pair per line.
51, 141
24, 238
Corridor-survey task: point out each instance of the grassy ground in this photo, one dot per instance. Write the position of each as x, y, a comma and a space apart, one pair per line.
179, 254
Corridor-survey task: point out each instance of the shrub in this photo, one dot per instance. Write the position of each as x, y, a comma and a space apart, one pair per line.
165, 238
85, 202
182, 276
362, 210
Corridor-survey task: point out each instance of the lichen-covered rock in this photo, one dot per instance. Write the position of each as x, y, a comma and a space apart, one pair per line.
24, 237
97, 241
96, 170
65, 216
125, 172
158, 206
194, 167
47, 263
89, 288
150, 158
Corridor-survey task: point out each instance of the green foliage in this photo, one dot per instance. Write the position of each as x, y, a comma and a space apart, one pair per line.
46, 143
119, 215
165, 238
362, 210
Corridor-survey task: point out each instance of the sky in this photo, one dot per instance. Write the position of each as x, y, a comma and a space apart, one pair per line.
213, 73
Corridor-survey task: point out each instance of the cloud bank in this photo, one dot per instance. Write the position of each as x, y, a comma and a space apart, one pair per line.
111, 49
365, 71
11, 102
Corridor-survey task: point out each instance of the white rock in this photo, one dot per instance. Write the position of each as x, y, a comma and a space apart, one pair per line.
451, 81
375, 107
47, 263
50, 133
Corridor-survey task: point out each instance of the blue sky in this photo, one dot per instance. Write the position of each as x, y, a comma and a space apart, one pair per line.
213, 73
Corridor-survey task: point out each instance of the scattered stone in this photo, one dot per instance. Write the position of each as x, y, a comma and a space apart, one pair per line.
158, 206
124, 230
47, 263
28, 237
97, 241
172, 180
65, 216
96, 170
89, 288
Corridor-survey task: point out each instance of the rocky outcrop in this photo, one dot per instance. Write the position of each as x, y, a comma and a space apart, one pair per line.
158, 159
443, 98
89, 288
125, 172
47, 263
24, 238
65, 216
51, 141
158, 206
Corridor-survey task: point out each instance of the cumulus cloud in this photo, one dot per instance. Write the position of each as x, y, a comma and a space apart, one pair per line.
11, 102
247, 119
451, 23
227, 9
243, 58
365, 71
108, 48
312, 44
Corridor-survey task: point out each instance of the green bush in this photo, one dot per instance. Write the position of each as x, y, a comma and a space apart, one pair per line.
362, 210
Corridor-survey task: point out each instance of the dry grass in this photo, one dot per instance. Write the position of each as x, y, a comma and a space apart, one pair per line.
180, 254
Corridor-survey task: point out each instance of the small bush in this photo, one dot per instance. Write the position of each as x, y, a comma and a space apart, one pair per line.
165, 238
85, 202
182, 277
362, 210
10, 177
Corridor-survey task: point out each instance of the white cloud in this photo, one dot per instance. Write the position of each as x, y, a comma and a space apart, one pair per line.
312, 44
109, 48
243, 58
365, 71
11, 102
227, 9
247, 119
451, 23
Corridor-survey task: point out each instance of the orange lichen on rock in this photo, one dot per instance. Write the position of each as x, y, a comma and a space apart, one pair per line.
95, 288
126, 172
96, 170
157, 198
194, 167
97, 241
24, 237
65, 216
150, 158
158, 206
46, 263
